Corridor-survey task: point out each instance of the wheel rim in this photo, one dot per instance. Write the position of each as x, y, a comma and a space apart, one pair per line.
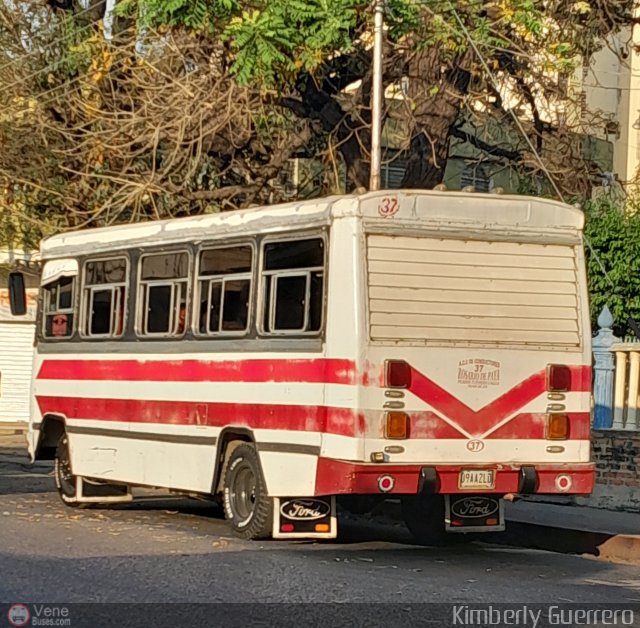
243, 494
66, 479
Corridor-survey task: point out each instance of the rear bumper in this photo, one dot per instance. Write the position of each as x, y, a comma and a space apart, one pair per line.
338, 477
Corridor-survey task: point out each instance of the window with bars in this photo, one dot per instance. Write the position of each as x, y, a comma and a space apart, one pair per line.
104, 297
162, 294
293, 286
224, 290
476, 176
58, 303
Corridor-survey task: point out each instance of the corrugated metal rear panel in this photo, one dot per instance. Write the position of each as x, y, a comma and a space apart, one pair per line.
476, 291
16, 357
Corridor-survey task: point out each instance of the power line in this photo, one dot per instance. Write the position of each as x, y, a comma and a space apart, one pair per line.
528, 140
23, 80
496, 85
53, 43
612, 88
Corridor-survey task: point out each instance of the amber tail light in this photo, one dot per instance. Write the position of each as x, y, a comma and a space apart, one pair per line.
396, 425
557, 427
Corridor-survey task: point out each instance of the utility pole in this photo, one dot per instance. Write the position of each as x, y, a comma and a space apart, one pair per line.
376, 96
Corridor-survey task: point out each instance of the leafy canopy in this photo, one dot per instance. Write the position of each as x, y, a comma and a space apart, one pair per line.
274, 40
614, 235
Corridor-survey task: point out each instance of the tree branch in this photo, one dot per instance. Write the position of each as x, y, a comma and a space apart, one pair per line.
495, 151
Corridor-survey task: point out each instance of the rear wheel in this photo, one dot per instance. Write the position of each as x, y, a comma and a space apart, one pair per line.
64, 478
247, 505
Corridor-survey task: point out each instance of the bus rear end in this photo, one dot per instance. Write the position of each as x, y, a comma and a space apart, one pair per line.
476, 369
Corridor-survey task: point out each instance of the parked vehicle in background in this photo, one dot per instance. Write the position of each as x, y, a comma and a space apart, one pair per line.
431, 346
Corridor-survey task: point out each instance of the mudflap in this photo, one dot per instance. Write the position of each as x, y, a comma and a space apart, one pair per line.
474, 513
304, 518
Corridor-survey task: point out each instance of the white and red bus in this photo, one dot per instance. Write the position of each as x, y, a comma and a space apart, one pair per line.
432, 347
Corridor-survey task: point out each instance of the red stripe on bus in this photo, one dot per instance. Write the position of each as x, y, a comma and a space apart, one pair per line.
322, 370
343, 421
523, 426
477, 422
533, 425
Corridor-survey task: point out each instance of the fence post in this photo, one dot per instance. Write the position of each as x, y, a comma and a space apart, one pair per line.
603, 371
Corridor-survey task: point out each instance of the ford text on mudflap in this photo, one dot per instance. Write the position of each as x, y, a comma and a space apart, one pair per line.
430, 347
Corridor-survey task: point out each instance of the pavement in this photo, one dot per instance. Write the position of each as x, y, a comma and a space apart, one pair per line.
609, 535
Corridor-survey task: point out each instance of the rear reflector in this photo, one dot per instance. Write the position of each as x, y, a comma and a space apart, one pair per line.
396, 425
557, 427
287, 527
397, 374
322, 527
558, 378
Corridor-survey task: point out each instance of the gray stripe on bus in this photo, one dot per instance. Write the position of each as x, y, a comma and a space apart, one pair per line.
291, 448
165, 438
208, 348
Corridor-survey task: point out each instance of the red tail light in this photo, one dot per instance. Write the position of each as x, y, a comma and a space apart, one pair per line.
397, 374
558, 378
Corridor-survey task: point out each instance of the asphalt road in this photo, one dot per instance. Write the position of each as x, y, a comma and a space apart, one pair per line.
161, 550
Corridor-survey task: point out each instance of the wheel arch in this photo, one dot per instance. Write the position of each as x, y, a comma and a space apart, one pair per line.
52, 427
230, 437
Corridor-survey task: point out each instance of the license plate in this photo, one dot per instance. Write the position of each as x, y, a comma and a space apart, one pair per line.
476, 478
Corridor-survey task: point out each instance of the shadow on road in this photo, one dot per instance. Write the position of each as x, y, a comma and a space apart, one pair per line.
552, 539
19, 477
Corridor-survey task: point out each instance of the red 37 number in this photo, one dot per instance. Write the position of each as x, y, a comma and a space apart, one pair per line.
388, 206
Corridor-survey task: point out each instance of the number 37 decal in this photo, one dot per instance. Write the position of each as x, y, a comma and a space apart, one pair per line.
388, 206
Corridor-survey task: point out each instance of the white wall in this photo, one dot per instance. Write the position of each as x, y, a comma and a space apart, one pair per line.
16, 356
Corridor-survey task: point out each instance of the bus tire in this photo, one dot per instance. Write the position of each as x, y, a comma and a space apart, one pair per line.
424, 516
64, 478
247, 505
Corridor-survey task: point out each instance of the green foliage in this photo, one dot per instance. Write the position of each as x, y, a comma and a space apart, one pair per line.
279, 38
95, 132
614, 236
194, 15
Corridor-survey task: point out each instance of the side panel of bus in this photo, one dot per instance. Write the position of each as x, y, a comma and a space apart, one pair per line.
162, 413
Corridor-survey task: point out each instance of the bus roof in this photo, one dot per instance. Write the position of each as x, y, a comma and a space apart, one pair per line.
464, 209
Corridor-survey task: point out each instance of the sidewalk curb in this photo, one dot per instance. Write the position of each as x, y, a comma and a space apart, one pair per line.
621, 548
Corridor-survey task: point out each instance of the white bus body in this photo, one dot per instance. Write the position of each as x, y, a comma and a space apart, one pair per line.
402, 343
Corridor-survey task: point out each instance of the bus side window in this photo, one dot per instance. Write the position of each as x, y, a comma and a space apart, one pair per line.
104, 297
224, 290
162, 294
293, 281
58, 303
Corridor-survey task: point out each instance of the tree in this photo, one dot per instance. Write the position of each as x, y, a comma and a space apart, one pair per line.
185, 106
613, 232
